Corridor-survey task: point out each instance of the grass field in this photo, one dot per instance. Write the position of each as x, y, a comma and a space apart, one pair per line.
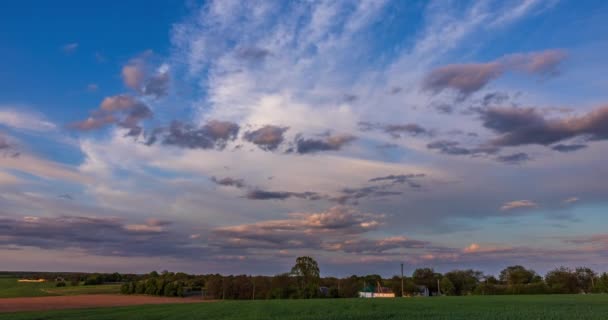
474, 307
10, 288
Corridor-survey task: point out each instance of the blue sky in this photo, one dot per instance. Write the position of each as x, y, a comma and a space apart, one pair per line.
227, 137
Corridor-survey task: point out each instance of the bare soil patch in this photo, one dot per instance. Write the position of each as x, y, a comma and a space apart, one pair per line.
85, 301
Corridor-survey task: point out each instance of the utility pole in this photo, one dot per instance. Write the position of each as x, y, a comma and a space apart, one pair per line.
402, 293
438, 289
253, 295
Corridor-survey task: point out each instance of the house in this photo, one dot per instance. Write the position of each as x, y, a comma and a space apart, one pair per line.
423, 291
376, 292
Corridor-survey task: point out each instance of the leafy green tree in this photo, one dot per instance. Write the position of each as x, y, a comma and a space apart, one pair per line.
306, 271
464, 281
585, 277
515, 275
426, 277
447, 287
562, 280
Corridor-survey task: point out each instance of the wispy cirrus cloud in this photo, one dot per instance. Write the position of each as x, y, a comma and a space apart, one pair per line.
518, 204
23, 120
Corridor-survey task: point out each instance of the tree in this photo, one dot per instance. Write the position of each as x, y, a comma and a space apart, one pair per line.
602, 283
447, 287
515, 275
306, 271
562, 280
426, 277
464, 281
585, 277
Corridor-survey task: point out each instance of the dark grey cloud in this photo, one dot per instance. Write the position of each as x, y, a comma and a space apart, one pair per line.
445, 108
454, 148
327, 143
268, 137
259, 194
136, 75
462, 78
401, 179
121, 110
133, 119
466, 79
395, 90
4, 144
384, 186
212, 135
66, 196
354, 195
515, 158
521, 126
568, 147
387, 146
378, 245
231, 182
494, 98
252, 54
448, 147
395, 130
95, 235
350, 98
157, 85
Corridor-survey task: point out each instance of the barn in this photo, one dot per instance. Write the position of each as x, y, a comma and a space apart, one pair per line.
376, 292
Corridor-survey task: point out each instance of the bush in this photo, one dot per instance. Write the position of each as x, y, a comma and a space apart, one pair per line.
60, 284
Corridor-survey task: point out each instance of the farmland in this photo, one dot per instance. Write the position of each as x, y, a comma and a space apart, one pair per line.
468, 307
10, 288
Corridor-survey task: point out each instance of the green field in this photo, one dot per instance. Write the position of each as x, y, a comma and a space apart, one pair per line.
10, 288
472, 307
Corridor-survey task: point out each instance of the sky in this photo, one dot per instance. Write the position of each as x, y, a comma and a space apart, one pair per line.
232, 137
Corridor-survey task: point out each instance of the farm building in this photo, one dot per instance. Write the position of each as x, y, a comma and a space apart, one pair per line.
376, 292
31, 280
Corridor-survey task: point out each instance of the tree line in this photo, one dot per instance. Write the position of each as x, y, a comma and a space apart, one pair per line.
304, 281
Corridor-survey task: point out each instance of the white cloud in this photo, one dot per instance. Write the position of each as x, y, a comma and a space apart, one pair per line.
518, 204
24, 120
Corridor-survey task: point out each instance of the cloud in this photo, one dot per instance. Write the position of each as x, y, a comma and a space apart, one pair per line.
258, 194
521, 126
151, 225
571, 200
136, 75
301, 230
268, 137
122, 110
70, 48
25, 120
107, 236
518, 204
92, 87
214, 134
252, 54
462, 78
231, 182
454, 148
328, 143
473, 247
158, 84
466, 79
396, 130
568, 147
514, 158
401, 179
367, 246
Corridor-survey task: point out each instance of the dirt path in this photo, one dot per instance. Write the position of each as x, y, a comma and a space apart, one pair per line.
84, 301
